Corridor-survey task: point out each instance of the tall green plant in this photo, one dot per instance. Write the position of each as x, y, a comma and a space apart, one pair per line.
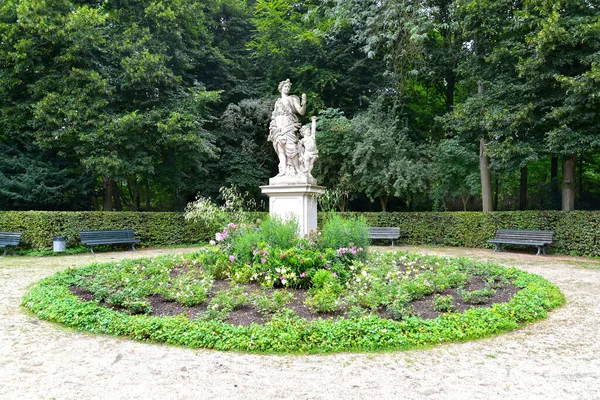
339, 232
279, 233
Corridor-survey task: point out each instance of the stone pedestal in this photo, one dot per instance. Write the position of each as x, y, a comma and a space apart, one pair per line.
294, 197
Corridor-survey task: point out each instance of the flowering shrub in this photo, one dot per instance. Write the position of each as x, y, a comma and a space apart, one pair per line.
203, 210
347, 255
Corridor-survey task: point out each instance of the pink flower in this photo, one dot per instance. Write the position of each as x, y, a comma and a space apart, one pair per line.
232, 258
212, 242
263, 260
334, 274
220, 236
353, 250
231, 225
283, 280
303, 275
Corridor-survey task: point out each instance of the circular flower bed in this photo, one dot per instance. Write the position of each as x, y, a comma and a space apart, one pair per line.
298, 300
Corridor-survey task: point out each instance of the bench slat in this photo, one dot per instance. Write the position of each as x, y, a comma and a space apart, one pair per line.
540, 239
384, 233
9, 239
124, 236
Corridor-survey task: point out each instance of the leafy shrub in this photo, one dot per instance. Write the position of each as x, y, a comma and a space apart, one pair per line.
443, 303
476, 296
278, 233
137, 306
338, 233
399, 307
400, 310
322, 278
189, 289
420, 286
324, 300
497, 282
229, 300
270, 304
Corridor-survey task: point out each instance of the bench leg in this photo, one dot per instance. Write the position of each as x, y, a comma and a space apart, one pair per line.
392, 242
133, 246
4, 252
91, 250
497, 247
539, 250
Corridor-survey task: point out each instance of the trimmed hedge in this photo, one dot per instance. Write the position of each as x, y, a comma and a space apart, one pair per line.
575, 232
152, 228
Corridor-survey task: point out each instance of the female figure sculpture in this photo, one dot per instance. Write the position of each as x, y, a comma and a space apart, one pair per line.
283, 130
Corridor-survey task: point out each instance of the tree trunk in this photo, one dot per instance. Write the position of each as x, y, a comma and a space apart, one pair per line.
450, 87
486, 178
484, 168
580, 175
465, 200
116, 193
496, 192
554, 194
147, 195
383, 201
134, 192
523, 189
568, 184
107, 187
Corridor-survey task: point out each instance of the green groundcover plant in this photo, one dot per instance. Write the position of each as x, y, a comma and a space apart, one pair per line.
358, 290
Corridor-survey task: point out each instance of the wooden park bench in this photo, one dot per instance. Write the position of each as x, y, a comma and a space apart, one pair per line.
539, 239
9, 239
92, 238
384, 233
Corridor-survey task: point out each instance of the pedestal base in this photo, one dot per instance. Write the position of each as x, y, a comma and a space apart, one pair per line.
297, 201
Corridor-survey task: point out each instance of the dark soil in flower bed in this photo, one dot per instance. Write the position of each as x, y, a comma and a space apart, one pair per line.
247, 315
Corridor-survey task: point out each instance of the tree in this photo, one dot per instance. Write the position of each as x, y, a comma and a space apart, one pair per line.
117, 84
386, 161
455, 171
334, 168
246, 159
563, 50
531, 50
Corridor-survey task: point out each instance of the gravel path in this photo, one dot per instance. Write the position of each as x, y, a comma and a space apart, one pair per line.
557, 358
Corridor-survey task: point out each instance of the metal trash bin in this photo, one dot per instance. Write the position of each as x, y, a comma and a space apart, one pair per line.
60, 243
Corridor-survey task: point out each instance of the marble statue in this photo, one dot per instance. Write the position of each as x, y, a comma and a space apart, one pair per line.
293, 192
308, 146
296, 157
